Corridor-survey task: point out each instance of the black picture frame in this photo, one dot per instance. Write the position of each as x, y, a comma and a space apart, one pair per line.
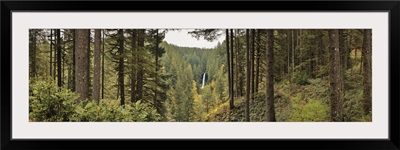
7, 7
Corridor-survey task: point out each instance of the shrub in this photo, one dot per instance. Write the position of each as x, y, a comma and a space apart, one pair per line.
301, 77
353, 106
49, 103
112, 111
353, 99
308, 110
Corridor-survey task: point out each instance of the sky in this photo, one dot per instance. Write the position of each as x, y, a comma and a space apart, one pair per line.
182, 38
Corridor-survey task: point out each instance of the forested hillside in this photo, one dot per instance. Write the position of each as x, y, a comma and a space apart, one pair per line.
113, 75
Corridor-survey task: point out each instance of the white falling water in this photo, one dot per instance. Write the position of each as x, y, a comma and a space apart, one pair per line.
204, 79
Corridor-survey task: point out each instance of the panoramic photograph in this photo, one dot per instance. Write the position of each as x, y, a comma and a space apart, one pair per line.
200, 75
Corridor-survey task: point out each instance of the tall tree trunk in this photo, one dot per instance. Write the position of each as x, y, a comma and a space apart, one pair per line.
239, 85
96, 77
253, 39
232, 70
347, 49
367, 73
341, 47
312, 55
34, 70
133, 72
51, 52
293, 50
156, 76
229, 69
343, 55
71, 74
73, 61
81, 54
55, 56
32, 55
250, 62
102, 66
140, 73
89, 62
59, 83
344, 45
300, 33
336, 91
121, 65
270, 77
63, 64
247, 76
258, 59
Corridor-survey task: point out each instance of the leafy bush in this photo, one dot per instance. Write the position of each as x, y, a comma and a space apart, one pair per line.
353, 99
353, 80
301, 77
223, 113
49, 103
318, 89
300, 103
308, 110
112, 111
353, 106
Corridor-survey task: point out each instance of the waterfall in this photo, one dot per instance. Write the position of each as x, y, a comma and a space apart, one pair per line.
204, 79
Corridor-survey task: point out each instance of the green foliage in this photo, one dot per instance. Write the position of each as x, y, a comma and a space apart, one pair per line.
197, 105
207, 98
308, 110
293, 102
318, 89
187, 102
299, 96
353, 104
218, 86
219, 113
258, 107
180, 99
222, 112
49, 103
301, 77
112, 111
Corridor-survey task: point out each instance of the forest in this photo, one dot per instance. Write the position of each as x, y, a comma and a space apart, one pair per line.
254, 75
